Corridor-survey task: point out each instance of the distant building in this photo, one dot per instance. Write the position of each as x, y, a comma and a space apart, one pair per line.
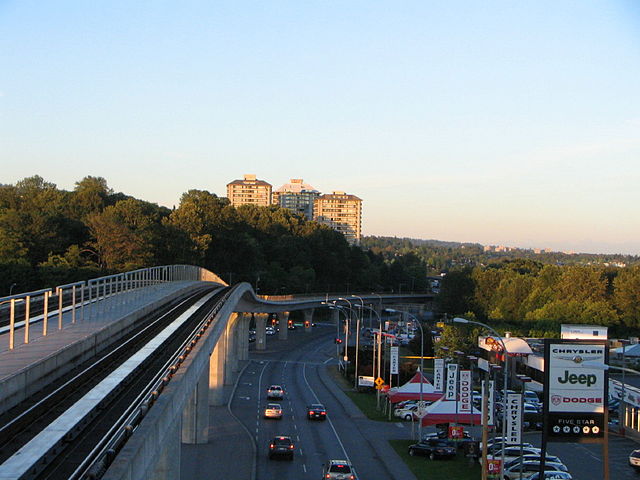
342, 212
297, 196
249, 191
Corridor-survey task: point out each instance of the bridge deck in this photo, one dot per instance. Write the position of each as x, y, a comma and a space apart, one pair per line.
42, 347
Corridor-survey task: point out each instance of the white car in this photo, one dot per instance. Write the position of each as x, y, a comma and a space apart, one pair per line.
405, 413
273, 410
529, 468
634, 460
338, 470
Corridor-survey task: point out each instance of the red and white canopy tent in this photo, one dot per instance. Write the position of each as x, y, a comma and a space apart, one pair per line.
444, 411
411, 390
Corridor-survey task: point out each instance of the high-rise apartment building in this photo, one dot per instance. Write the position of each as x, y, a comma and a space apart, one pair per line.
342, 212
296, 196
249, 191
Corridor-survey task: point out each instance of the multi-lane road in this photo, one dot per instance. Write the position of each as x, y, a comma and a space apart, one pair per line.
300, 371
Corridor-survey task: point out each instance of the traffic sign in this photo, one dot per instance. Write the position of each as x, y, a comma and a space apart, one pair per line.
379, 381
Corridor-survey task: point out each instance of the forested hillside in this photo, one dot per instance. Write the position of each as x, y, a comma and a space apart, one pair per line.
50, 236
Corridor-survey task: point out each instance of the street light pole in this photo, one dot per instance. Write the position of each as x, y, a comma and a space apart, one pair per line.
358, 338
421, 360
504, 390
379, 337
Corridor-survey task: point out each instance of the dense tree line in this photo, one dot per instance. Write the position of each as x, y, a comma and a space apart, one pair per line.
534, 299
50, 236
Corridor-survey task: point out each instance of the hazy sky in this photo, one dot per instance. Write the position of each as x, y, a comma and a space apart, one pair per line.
498, 122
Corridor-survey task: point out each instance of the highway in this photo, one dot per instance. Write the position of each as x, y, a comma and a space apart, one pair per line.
297, 371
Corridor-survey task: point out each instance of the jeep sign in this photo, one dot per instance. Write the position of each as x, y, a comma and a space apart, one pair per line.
574, 387
575, 390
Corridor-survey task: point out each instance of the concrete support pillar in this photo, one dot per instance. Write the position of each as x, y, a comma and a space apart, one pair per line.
216, 372
195, 417
231, 360
308, 319
283, 333
243, 337
261, 335
168, 466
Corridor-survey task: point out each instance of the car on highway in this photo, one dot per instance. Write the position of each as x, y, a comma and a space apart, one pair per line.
529, 468
433, 448
338, 470
634, 460
316, 411
275, 392
548, 475
281, 446
270, 331
273, 410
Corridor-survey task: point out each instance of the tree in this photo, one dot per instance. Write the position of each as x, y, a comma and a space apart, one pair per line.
456, 292
627, 296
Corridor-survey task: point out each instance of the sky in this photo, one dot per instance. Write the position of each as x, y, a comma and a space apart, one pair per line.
494, 122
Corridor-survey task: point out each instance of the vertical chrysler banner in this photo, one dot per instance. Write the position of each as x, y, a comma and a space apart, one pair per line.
514, 418
465, 391
451, 391
438, 374
576, 390
394, 361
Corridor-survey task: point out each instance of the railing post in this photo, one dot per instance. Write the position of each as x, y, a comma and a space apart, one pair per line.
12, 322
82, 300
73, 304
27, 308
45, 312
59, 292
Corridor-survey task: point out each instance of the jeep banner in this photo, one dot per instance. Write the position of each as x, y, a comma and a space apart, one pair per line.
451, 392
576, 389
438, 374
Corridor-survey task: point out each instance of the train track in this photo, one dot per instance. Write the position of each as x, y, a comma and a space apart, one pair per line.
93, 430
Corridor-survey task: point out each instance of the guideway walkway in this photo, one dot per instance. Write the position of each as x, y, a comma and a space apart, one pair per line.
98, 322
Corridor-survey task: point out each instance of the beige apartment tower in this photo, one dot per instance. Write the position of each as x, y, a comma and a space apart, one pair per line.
342, 212
249, 191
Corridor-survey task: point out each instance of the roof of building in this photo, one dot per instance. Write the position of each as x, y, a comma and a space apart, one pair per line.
250, 180
340, 195
296, 185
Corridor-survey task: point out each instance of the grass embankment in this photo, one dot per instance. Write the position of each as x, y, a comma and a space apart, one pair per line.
460, 468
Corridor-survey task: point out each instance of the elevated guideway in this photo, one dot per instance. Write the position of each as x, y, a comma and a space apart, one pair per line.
109, 310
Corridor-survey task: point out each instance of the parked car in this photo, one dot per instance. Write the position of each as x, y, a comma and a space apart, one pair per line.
444, 435
531, 397
550, 475
529, 468
273, 410
532, 458
433, 448
275, 392
316, 411
281, 446
406, 413
338, 470
512, 452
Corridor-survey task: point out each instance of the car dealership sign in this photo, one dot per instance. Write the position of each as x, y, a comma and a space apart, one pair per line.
576, 389
438, 374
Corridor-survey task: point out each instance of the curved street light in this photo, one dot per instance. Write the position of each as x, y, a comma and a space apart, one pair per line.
391, 310
379, 342
504, 391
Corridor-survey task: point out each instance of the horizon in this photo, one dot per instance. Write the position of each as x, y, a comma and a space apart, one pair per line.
495, 124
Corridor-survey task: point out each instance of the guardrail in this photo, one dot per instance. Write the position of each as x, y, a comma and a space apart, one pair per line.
93, 295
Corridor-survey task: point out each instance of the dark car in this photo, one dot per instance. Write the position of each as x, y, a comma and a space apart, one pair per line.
444, 435
433, 448
281, 446
316, 411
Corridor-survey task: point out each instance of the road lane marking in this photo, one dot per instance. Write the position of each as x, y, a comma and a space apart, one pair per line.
304, 375
304, 467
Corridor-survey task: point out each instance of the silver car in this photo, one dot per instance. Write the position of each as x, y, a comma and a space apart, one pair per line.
339, 470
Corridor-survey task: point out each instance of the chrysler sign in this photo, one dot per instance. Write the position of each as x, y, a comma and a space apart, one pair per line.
574, 387
575, 390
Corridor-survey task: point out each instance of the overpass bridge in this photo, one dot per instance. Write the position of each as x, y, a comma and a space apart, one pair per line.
41, 345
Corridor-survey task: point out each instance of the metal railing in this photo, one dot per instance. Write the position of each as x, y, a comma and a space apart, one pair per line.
97, 296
